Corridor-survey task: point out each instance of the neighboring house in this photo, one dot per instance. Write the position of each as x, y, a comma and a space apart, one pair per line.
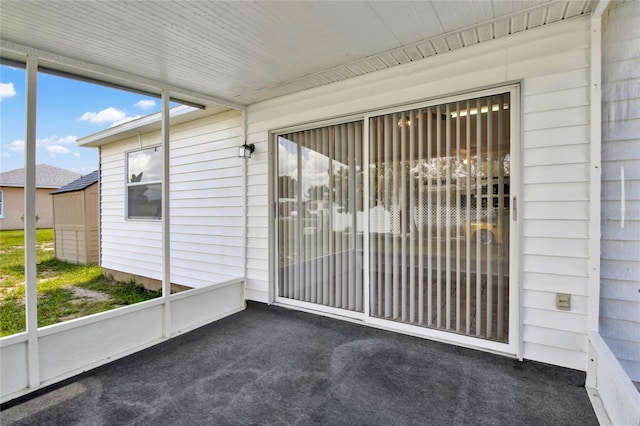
455, 194
12, 195
75, 220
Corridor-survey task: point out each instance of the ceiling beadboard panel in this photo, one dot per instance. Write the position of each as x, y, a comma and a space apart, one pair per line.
251, 51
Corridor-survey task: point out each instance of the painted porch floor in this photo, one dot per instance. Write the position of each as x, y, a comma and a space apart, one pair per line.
269, 365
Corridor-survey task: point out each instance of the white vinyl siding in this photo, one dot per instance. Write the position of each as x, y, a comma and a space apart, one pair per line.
206, 206
552, 63
620, 242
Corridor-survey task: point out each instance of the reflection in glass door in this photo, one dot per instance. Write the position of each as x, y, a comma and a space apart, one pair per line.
439, 217
320, 217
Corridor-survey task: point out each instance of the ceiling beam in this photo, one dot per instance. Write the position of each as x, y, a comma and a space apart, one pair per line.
111, 76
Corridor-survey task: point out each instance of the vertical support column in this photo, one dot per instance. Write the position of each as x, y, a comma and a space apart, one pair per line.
245, 221
166, 219
595, 184
31, 291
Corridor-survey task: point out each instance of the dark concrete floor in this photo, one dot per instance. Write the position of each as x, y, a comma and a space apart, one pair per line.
268, 365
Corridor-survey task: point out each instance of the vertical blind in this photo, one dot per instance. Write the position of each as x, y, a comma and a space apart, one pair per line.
320, 216
439, 216
438, 209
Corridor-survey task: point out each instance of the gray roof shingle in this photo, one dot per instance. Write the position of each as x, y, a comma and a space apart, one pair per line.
80, 184
46, 177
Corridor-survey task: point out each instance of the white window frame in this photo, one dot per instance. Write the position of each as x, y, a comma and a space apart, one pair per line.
128, 185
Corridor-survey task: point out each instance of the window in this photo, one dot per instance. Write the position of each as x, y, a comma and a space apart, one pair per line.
144, 184
1, 205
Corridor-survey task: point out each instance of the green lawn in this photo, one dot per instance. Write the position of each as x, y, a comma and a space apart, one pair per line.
65, 291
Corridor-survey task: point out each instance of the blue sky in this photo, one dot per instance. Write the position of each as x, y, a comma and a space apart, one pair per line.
66, 110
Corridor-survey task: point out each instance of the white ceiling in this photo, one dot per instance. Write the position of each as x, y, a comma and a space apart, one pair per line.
250, 51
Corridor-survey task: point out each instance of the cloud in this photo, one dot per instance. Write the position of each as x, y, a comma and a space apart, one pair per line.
56, 149
108, 115
16, 146
111, 116
55, 140
76, 154
7, 90
54, 145
145, 104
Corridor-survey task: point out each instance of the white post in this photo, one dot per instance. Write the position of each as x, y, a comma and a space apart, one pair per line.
166, 227
245, 220
31, 291
595, 184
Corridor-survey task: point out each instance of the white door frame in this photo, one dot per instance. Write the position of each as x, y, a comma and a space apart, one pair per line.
514, 347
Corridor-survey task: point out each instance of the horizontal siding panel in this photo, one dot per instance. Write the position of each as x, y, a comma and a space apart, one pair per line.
619, 270
557, 210
258, 243
206, 193
560, 136
612, 170
619, 90
556, 265
623, 109
622, 49
186, 175
206, 248
145, 270
557, 118
575, 97
621, 130
620, 309
550, 46
202, 262
556, 247
578, 172
620, 150
556, 338
547, 300
624, 349
619, 71
556, 192
612, 229
213, 182
566, 154
555, 82
612, 190
557, 320
556, 356
632, 368
620, 290
556, 283
620, 329
257, 253
556, 228
549, 64
621, 250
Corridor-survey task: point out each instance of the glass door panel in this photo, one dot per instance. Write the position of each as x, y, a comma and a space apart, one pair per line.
320, 238
439, 217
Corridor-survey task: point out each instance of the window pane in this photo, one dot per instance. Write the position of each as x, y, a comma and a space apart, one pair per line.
145, 165
320, 216
145, 201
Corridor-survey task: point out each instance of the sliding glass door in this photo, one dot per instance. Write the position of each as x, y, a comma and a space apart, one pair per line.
439, 217
320, 216
432, 198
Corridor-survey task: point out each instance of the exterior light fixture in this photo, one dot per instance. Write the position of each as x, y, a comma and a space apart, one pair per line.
245, 150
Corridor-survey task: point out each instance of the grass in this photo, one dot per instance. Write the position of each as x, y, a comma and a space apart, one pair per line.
65, 291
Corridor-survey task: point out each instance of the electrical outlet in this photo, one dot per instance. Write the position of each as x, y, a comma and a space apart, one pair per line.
563, 301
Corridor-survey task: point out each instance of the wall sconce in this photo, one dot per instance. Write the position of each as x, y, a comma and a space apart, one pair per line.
245, 150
